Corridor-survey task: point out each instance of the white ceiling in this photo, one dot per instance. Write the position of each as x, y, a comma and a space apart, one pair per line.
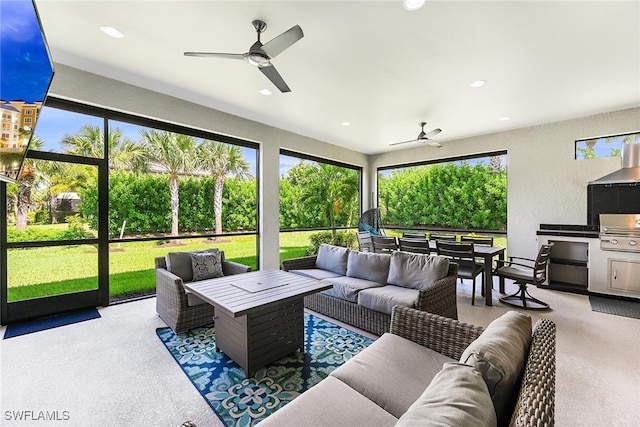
371, 63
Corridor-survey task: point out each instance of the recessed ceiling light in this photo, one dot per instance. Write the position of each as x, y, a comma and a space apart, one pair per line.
345, 124
265, 92
111, 31
413, 4
478, 83
504, 118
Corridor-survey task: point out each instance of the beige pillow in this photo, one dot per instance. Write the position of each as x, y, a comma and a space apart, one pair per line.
457, 396
500, 354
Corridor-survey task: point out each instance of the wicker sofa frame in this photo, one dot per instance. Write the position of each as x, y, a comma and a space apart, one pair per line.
439, 298
171, 298
535, 404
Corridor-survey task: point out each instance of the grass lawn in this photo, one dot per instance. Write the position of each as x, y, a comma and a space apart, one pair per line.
48, 271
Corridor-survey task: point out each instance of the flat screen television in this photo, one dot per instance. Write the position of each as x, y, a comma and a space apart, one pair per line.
26, 72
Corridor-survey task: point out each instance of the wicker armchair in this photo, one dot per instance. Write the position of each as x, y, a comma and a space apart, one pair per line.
178, 310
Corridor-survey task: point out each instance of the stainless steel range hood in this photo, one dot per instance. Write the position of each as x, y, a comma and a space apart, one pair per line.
630, 171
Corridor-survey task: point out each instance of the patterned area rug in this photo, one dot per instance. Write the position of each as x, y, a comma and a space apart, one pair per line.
241, 401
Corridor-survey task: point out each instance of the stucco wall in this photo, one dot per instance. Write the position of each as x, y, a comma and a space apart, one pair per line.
545, 184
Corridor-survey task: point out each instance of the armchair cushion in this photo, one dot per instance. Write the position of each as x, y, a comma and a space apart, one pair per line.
332, 258
179, 263
500, 354
411, 270
206, 265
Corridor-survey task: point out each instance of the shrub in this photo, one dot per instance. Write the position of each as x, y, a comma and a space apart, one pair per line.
338, 238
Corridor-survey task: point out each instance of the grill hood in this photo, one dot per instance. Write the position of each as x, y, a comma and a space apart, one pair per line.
630, 171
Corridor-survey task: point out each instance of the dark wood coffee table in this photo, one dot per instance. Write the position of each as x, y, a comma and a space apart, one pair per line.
259, 316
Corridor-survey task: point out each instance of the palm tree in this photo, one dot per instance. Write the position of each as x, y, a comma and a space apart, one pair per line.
89, 142
25, 182
221, 160
174, 154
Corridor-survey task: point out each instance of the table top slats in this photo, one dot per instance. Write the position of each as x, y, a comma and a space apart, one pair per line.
223, 294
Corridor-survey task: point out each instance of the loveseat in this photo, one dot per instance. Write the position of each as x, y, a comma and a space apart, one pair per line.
367, 285
179, 309
434, 371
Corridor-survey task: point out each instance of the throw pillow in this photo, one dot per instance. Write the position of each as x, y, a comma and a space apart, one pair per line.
414, 271
500, 354
206, 265
332, 258
457, 396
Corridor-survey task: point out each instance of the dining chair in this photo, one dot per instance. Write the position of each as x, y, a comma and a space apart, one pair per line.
412, 244
463, 255
478, 240
364, 241
383, 244
446, 237
525, 271
422, 236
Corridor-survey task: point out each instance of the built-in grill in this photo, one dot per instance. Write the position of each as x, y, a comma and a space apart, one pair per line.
620, 232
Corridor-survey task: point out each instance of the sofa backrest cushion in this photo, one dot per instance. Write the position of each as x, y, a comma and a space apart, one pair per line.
206, 265
332, 258
414, 271
369, 266
179, 263
457, 396
500, 354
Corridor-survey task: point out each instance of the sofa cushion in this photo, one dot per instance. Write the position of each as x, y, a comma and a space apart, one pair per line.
383, 299
315, 407
316, 273
457, 396
416, 270
332, 258
500, 354
369, 266
206, 265
348, 288
393, 389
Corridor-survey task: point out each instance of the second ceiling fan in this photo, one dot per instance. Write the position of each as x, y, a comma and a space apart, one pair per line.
260, 54
423, 137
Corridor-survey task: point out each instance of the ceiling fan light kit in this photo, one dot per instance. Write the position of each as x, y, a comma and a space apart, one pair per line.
260, 55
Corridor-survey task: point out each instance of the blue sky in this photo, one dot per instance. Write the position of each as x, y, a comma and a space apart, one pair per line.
25, 66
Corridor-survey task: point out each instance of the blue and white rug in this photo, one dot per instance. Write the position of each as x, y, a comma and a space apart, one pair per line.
241, 401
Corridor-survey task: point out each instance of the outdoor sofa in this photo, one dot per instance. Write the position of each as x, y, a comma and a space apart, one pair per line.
179, 309
367, 285
435, 371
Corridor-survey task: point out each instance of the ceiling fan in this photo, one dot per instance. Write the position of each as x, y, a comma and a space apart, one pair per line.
424, 138
260, 54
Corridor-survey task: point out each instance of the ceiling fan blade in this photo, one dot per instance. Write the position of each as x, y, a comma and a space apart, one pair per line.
273, 75
279, 44
402, 142
433, 143
215, 55
433, 133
